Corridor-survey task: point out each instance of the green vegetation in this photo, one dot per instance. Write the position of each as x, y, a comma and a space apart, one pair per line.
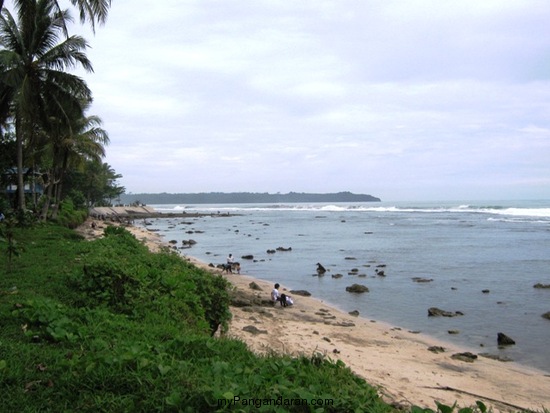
51, 149
108, 326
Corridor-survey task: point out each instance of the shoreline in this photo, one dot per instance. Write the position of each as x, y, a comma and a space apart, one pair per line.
395, 361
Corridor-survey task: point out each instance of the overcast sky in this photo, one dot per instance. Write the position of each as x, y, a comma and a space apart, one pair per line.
404, 100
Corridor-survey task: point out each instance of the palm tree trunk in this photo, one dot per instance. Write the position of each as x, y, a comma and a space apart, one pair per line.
48, 189
20, 180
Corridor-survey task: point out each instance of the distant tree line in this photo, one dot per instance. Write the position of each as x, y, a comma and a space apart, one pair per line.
243, 198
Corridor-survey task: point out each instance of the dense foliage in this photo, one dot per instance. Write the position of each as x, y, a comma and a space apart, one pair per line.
108, 326
51, 148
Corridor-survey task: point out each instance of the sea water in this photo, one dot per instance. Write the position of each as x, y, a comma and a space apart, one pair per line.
481, 259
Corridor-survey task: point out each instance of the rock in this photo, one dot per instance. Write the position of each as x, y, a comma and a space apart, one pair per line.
284, 249
320, 269
240, 302
546, 315
504, 340
539, 285
453, 332
436, 312
357, 288
344, 324
422, 280
467, 357
270, 251
436, 349
350, 258
254, 330
337, 275
380, 273
354, 313
255, 286
303, 293
495, 357
248, 257
485, 291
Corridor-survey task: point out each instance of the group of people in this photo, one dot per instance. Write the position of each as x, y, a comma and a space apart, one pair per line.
283, 299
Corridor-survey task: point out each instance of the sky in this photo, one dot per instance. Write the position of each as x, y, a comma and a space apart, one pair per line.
403, 100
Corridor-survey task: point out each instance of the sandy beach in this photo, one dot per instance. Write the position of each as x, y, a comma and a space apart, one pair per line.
397, 361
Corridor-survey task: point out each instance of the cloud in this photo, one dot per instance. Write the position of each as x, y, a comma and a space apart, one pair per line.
405, 100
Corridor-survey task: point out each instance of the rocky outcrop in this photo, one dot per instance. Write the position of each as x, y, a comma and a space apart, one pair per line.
357, 288
436, 312
539, 285
546, 315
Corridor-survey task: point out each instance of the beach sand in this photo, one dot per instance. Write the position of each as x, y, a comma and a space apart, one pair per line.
396, 361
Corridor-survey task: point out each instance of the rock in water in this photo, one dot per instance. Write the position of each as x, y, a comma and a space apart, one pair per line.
504, 340
357, 288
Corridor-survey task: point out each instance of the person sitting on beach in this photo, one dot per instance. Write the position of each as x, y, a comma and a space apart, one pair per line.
230, 259
281, 298
275, 294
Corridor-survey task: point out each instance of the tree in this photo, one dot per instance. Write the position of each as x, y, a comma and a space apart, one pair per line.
83, 140
33, 76
91, 11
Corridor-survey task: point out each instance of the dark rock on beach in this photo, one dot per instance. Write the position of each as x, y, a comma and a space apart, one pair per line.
436, 312
504, 340
303, 293
354, 313
539, 285
357, 288
255, 286
248, 257
254, 330
467, 357
422, 280
546, 315
495, 357
436, 349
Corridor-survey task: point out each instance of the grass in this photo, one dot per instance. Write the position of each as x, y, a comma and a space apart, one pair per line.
107, 326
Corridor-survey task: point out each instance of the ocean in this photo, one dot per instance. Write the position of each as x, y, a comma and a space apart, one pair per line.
478, 258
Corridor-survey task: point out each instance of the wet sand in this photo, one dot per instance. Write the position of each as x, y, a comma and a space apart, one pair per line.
396, 361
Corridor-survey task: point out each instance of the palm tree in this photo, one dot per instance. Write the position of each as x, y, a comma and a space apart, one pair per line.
33, 77
83, 140
92, 11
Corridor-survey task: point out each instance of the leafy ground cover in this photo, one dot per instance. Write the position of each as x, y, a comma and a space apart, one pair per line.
108, 326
